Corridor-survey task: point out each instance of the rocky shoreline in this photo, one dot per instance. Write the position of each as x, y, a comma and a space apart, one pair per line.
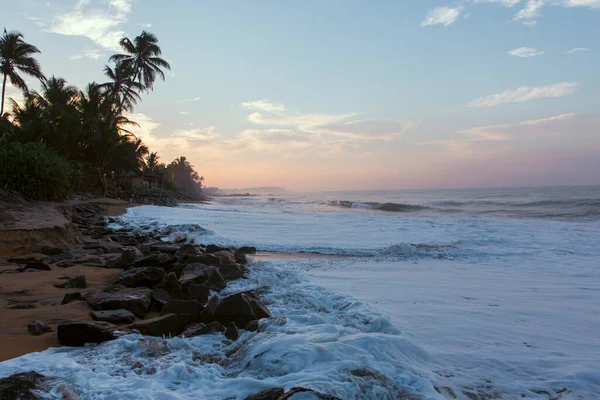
152, 287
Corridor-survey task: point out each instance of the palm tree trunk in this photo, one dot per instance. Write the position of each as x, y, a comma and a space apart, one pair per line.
122, 104
3, 92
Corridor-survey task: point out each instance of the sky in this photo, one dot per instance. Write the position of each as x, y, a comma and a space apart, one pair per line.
350, 94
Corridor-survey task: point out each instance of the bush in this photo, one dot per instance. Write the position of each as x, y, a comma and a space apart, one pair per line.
36, 171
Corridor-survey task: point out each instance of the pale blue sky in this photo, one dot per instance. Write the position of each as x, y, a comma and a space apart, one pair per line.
352, 94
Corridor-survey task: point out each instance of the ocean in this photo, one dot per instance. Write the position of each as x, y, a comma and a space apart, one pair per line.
429, 294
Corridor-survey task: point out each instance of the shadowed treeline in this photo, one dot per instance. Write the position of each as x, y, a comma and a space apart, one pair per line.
78, 139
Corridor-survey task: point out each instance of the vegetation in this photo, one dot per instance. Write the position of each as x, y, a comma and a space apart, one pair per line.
86, 129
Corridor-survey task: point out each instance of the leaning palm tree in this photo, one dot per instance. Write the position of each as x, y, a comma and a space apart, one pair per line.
142, 60
16, 56
121, 86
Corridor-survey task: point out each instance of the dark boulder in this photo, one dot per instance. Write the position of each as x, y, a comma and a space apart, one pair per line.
141, 277
65, 264
240, 257
232, 332
202, 275
155, 260
225, 257
70, 297
187, 252
213, 248
202, 329
23, 386
160, 297
37, 328
167, 325
114, 316
190, 307
252, 326
240, 308
78, 333
171, 285
38, 265
164, 248
127, 258
231, 272
115, 297
74, 283
52, 250
247, 249
199, 293
269, 394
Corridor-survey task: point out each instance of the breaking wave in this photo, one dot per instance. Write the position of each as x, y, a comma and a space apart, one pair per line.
391, 207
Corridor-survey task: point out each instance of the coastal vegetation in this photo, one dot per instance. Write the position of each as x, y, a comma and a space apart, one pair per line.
62, 139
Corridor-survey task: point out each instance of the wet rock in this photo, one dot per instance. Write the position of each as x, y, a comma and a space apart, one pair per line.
171, 285
217, 259
70, 297
78, 333
141, 277
38, 265
75, 283
115, 297
314, 393
125, 239
167, 325
114, 316
51, 250
65, 264
231, 272
269, 394
155, 260
164, 248
201, 274
197, 292
36, 328
252, 326
24, 386
213, 248
160, 298
240, 308
202, 329
232, 332
247, 249
187, 252
191, 307
127, 258
240, 257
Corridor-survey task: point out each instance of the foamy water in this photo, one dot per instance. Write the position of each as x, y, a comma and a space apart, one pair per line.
502, 307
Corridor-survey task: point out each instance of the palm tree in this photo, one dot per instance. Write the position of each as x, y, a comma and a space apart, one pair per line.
142, 60
152, 163
121, 86
16, 56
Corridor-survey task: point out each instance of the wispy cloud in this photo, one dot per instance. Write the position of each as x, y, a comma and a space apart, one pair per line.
529, 14
145, 26
441, 16
101, 22
525, 52
184, 113
93, 54
577, 50
189, 100
263, 105
510, 131
526, 93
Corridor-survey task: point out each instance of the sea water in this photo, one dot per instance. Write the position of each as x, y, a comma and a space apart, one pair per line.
482, 293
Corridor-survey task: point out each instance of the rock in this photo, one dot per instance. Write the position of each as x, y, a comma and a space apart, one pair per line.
21, 260
36, 328
187, 252
232, 332
252, 326
75, 283
115, 297
231, 272
197, 292
247, 249
127, 258
223, 257
71, 297
51, 250
141, 277
65, 264
240, 308
114, 316
160, 298
202, 274
167, 325
240, 257
191, 307
315, 394
125, 239
22, 306
78, 333
24, 386
155, 260
164, 248
202, 329
213, 248
38, 265
269, 394
172, 286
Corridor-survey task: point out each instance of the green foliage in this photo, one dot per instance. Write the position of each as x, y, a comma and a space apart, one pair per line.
36, 171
